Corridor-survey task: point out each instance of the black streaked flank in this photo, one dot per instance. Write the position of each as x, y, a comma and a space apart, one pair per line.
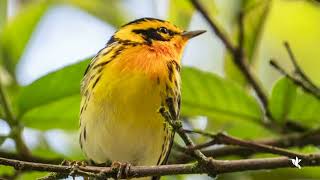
117, 52
96, 81
170, 104
170, 70
87, 69
84, 133
101, 64
179, 105
176, 82
80, 140
176, 65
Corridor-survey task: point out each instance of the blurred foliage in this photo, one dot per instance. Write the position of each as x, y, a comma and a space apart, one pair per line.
3, 12
255, 13
239, 128
17, 33
52, 101
180, 13
2, 139
52, 87
209, 95
298, 23
109, 11
290, 103
32, 175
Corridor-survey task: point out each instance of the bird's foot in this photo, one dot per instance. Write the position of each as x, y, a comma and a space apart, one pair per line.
122, 169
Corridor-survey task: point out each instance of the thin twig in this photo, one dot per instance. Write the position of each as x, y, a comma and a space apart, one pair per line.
221, 138
228, 140
286, 141
295, 80
297, 68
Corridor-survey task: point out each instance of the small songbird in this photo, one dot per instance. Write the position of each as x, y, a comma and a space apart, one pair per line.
123, 88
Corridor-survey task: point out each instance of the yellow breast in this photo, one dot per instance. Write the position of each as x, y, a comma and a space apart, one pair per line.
120, 121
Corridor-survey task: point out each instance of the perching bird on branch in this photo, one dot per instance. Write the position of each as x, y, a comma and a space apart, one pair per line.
123, 88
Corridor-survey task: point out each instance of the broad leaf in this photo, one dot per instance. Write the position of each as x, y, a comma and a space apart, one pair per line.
52, 87
290, 103
53, 101
209, 95
16, 34
239, 128
60, 114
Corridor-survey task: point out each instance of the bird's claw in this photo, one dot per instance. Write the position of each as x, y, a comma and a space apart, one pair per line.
122, 169
74, 166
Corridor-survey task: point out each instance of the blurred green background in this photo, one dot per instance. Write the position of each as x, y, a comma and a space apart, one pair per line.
45, 46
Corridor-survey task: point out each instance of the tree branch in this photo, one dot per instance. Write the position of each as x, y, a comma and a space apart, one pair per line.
221, 167
221, 138
286, 141
31, 158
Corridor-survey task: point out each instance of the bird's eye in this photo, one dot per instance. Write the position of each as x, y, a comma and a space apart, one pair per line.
163, 30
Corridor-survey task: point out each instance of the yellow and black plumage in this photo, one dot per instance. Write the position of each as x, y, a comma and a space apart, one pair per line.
123, 88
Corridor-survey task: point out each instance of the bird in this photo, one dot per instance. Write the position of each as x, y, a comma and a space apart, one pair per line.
125, 84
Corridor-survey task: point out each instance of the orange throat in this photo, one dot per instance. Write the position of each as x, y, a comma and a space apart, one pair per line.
152, 60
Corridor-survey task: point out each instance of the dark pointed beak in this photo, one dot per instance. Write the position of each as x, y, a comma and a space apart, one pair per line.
192, 34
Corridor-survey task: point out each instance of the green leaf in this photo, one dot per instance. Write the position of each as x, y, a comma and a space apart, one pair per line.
290, 103
235, 127
255, 15
6, 170
53, 101
180, 13
32, 175
60, 114
52, 87
209, 95
16, 34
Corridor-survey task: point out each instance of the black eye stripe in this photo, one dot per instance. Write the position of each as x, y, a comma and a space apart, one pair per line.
150, 34
154, 34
